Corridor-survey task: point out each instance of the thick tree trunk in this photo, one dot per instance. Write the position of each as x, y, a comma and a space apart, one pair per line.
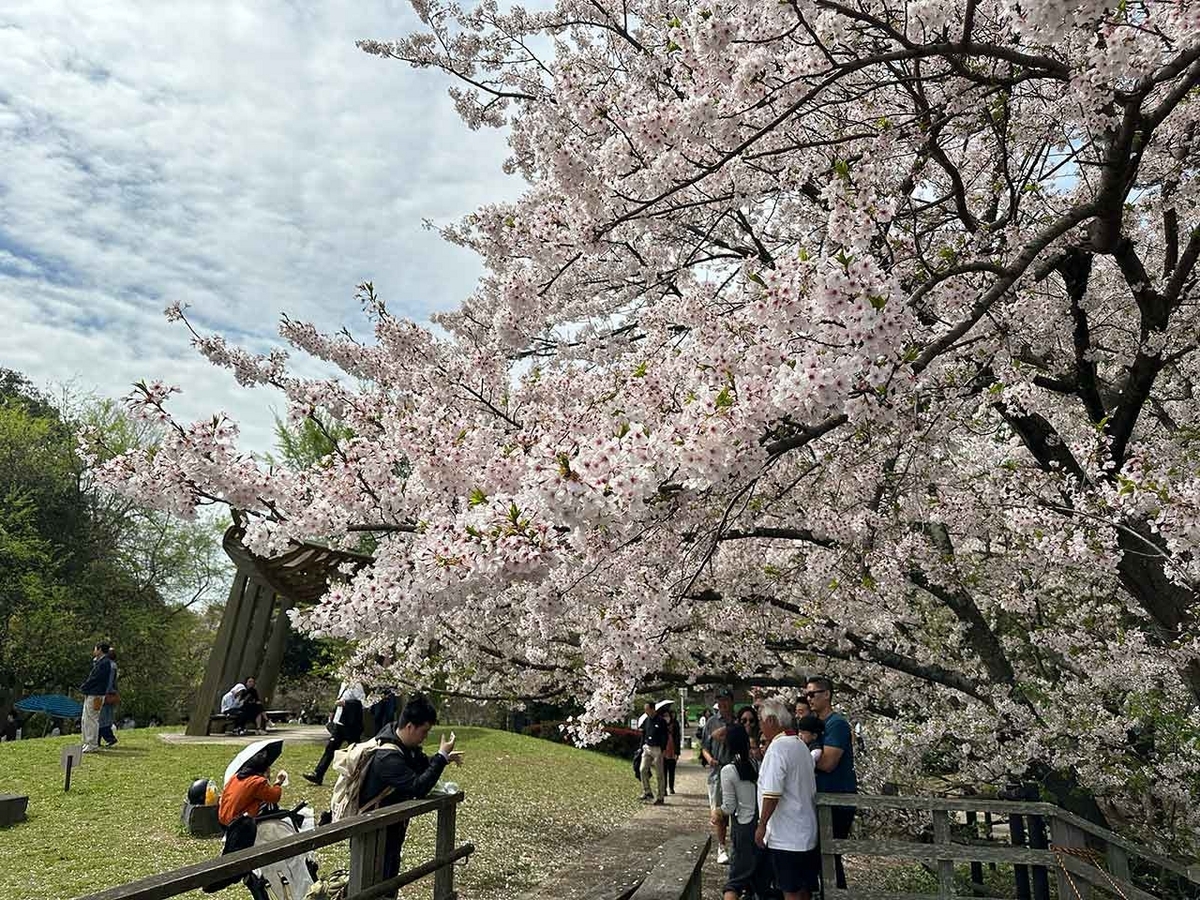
1171, 606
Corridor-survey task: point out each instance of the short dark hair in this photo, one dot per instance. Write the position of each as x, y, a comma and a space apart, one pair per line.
822, 683
103, 646
418, 711
811, 723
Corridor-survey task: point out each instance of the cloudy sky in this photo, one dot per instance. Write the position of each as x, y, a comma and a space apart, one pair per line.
243, 158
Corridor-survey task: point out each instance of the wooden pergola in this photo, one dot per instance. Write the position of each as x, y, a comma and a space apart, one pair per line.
254, 628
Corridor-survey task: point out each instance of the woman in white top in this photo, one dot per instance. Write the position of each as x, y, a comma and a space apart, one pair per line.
739, 800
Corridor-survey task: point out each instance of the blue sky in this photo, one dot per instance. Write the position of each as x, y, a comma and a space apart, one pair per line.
243, 158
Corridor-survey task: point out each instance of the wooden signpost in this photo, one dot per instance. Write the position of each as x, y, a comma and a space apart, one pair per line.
72, 756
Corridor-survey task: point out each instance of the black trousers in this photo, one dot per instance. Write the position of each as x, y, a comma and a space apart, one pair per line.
340, 736
393, 843
669, 770
843, 818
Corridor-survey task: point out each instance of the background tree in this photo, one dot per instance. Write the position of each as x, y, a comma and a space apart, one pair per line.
852, 335
79, 565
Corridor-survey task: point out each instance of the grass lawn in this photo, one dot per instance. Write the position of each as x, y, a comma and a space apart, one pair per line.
529, 804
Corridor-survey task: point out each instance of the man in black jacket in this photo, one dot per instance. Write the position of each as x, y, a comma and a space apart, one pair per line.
405, 772
654, 742
93, 689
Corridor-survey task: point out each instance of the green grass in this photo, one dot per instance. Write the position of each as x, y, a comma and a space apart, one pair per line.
527, 803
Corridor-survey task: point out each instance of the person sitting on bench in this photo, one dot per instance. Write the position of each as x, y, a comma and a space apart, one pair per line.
233, 706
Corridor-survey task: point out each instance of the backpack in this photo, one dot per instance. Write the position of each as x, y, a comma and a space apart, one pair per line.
351, 765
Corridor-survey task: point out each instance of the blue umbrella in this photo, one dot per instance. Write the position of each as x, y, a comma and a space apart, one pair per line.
55, 705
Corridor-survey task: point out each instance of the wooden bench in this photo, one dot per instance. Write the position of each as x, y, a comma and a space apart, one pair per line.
12, 809
217, 723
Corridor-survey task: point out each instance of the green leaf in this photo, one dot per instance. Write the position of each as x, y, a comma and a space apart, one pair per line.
476, 497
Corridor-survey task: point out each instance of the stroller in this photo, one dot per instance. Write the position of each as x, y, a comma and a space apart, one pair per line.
287, 879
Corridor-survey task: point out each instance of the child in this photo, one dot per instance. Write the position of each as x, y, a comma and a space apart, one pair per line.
810, 729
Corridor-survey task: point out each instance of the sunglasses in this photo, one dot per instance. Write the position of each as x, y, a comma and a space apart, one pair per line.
811, 694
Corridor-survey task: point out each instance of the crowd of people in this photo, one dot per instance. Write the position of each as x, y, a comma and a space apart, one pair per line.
397, 769
765, 764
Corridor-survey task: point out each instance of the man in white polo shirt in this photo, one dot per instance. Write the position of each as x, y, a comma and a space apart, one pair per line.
787, 812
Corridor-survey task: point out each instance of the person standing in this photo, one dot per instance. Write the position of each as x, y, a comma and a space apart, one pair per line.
654, 743
835, 768
345, 727
748, 877
716, 756
787, 812
671, 753
94, 687
108, 714
403, 771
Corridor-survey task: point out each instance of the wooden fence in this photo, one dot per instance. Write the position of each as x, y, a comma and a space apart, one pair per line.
366, 834
1046, 843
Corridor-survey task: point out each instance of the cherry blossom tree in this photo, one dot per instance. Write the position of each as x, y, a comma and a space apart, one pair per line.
855, 336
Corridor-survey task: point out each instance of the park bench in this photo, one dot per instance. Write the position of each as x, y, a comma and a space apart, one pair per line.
217, 723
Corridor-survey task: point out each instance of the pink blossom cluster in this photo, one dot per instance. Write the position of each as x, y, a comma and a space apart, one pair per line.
852, 337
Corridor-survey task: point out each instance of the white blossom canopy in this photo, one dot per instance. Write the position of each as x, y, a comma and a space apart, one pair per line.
854, 336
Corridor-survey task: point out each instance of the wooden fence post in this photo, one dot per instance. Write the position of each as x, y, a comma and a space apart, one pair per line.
443, 879
1067, 835
976, 867
828, 864
941, 838
1118, 862
366, 859
1038, 841
1016, 829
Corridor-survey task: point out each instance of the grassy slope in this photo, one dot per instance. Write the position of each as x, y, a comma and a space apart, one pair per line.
529, 802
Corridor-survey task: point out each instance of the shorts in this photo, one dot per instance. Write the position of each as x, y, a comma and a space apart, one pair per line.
796, 870
715, 797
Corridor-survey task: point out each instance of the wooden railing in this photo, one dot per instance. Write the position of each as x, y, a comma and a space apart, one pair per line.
366, 834
678, 874
1082, 857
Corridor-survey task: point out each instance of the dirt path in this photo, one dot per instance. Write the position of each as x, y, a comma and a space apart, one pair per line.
604, 870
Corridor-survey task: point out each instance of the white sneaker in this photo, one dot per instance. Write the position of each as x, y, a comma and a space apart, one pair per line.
722, 856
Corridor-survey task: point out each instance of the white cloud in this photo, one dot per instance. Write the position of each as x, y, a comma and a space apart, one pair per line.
245, 159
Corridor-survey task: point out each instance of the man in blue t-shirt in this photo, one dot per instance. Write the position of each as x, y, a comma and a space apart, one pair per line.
835, 769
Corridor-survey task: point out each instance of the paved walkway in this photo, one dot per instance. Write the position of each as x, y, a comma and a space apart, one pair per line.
308, 734
604, 870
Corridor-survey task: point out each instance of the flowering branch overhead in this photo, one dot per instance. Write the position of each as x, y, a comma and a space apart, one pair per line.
858, 336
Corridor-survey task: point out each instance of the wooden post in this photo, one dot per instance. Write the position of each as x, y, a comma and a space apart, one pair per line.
256, 640
828, 863
1038, 841
443, 879
976, 867
1118, 862
212, 688
1067, 835
987, 833
241, 631
941, 838
1016, 827
268, 675
366, 859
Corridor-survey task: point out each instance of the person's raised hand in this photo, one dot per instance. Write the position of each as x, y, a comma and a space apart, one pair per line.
447, 744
